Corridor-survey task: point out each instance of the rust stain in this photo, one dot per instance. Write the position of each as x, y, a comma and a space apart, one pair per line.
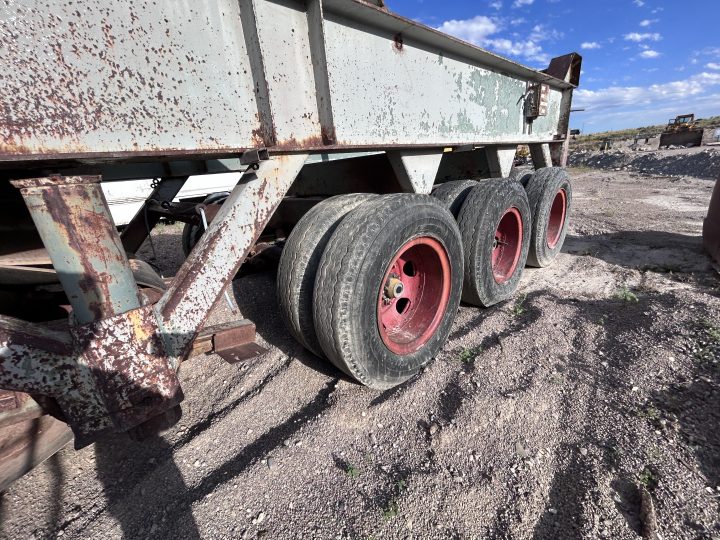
328, 135
398, 42
130, 366
314, 141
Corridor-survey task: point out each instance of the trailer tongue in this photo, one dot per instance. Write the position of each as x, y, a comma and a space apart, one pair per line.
111, 90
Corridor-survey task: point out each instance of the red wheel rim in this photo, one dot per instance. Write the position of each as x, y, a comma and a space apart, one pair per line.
414, 295
507, 245
556, 221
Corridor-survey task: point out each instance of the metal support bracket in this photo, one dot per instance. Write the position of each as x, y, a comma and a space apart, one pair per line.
144, 221
559, 152
416, 170
540, 154
500, 159
223, 247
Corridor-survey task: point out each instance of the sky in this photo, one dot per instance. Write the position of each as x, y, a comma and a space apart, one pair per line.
644, 61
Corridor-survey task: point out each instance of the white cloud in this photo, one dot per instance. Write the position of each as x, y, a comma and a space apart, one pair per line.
483, 31
647, 22
521, 3
713, 65
590, 45
649, 53
515, 22
496, 5
528, 49
618, 107
639, 3
637, 37
475, 30
615, 96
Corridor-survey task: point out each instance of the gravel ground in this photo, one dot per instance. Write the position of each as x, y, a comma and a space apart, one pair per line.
543, 417
700, 162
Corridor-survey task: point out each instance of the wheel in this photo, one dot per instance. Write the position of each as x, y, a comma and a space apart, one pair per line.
550, 196
451, 195
388, 288
495, 223
192, 233
299, 262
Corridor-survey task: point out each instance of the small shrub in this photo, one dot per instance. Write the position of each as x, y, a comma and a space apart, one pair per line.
352, 471
648, 478
519, 307
626, 295
470, 354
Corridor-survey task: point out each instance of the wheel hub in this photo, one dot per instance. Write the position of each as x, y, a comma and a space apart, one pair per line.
394, 287
414, 295
507, 245
556, 219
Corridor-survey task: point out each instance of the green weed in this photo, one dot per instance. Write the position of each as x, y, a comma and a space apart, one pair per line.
519, 307
468, 355
625, 294
352, 471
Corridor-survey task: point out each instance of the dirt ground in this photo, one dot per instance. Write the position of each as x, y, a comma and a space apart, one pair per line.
541, 418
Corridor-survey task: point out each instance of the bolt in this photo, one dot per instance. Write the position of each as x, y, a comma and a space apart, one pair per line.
394, 288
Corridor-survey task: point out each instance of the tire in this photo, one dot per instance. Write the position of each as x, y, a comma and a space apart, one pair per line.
521, 175
299, 262
192, 233
451, 195
550, 196
369, 330
493, 211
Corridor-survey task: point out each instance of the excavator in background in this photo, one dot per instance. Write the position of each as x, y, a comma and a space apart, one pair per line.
682, 131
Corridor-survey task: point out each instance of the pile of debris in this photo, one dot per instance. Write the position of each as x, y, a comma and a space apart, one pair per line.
702, 164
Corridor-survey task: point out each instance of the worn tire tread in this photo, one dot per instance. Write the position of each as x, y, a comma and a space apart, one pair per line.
299, 263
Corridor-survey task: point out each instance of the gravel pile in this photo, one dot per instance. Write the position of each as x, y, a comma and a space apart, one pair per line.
702, 164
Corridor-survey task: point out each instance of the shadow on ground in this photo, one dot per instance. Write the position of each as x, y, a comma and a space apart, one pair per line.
657, 251
122, 465
626, 327
255, 296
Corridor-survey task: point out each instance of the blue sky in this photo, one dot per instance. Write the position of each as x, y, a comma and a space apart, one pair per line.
644, 61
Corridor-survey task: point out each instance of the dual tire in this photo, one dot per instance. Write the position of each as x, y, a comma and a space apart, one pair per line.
494, 219
386, 281
506, 224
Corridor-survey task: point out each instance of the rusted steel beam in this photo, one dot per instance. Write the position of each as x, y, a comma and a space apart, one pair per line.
233, 341
132, 373
109, 375
18, 407
143, 222
559, 152
74, 222
32, 357
566, 68
221, 250
111, 371
37, 360
27, 444
223, 335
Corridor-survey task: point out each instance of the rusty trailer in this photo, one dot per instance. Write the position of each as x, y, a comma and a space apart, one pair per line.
376, 150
